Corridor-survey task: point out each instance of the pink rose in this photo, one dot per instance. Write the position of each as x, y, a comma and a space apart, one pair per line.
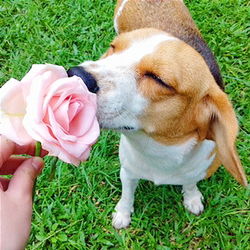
50, 107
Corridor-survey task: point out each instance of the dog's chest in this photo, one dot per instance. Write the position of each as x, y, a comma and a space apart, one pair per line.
181, 164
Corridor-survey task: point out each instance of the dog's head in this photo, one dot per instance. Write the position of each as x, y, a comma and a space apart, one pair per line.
151, 81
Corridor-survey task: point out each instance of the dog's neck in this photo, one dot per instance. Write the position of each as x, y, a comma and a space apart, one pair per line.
176, 153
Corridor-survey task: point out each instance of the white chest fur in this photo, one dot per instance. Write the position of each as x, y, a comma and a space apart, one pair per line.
181, 164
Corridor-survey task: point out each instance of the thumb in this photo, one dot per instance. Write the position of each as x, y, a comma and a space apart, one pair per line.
24, 177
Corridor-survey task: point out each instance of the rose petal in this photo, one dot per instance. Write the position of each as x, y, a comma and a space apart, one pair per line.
85, 154
74, 108
61, 115
12, 111
82, 122
58, 130
11, 98
13, 129
91, 135
39, 69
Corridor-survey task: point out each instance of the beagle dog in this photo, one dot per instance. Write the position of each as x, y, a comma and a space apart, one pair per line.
159, 84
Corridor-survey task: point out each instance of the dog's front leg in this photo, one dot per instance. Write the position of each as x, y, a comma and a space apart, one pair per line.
124, 208
192, 199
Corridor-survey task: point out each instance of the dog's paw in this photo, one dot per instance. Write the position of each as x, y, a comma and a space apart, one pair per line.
121, 220
194, 204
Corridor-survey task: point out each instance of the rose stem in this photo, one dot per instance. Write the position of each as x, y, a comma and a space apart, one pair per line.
38, 150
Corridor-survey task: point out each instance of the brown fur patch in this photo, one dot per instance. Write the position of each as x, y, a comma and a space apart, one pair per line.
171, 16
215, 164
177, 19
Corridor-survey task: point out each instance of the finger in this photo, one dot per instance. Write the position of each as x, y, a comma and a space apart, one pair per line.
22, 182
25, 149
11, 165
7, 148
4, 183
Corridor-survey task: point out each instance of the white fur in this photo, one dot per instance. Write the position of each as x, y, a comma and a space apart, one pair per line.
182, 164
121, 218
119, 12
119, 101
192, 199
143, 158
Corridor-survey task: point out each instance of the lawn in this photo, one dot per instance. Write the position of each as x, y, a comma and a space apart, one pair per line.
73, 209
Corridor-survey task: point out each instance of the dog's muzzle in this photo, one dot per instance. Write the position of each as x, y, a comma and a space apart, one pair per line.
87, 78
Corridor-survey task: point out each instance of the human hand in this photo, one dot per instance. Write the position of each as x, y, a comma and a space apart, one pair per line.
16, 193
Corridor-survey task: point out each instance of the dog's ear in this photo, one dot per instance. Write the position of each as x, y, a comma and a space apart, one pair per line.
216, 121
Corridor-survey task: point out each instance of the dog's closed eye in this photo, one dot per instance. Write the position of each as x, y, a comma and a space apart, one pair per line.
110, 51
159, 80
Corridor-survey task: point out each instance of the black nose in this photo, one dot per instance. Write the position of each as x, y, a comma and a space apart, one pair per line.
87, 78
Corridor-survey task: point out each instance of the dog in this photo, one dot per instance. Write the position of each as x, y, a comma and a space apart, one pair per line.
159, 84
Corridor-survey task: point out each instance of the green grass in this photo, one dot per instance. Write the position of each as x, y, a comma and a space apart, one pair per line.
73, 211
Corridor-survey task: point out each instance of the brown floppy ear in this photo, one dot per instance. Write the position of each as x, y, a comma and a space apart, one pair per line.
217, 121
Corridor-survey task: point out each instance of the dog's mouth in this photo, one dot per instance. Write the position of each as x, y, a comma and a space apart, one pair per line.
126, 128
105, 125
119, 129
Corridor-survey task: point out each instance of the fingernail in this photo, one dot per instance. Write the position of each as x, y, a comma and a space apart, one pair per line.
37, 163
